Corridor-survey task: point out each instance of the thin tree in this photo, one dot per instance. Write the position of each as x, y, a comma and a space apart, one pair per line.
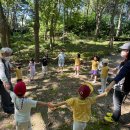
4, 29
112, 25
36, 28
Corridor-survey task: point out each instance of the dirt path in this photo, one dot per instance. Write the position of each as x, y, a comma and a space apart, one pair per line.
58, 87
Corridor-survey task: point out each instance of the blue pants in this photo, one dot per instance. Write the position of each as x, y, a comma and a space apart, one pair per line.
117, 101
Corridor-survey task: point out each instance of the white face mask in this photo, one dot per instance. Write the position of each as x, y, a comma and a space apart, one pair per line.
7, 58
124, 54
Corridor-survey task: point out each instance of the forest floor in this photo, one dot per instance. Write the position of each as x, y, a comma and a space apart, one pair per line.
57, 87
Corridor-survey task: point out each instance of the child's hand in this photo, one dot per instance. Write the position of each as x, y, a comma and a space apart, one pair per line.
54, 58
114, 70
51, 105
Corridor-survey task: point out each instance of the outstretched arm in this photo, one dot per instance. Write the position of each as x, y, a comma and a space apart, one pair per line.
110, 86
39, 103
59, 104
101, 95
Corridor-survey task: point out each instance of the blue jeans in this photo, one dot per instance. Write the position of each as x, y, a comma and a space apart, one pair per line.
103, 83
79, 125
117, 101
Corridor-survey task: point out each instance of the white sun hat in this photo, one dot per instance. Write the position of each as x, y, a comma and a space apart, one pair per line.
6, 50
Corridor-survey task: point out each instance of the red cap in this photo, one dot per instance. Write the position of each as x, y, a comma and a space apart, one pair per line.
84, 91
20, 88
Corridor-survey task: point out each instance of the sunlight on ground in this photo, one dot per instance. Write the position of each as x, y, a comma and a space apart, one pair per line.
38, 122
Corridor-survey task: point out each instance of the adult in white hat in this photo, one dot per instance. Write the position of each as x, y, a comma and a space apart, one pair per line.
5, 80
121, 84
5, 71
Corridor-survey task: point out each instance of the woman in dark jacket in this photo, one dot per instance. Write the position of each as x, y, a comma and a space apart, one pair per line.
121, 84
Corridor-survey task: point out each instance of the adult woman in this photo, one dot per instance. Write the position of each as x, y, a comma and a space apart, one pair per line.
121, 84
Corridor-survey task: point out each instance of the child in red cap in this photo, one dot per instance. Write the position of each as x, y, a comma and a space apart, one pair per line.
81, 106
23, 106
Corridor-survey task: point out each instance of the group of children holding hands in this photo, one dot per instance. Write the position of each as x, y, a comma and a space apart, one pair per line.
98, 68
81, 105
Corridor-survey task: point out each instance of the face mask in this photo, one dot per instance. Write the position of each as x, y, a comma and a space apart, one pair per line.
7, 58
124, 54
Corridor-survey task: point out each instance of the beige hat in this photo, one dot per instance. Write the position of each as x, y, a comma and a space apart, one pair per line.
105, 61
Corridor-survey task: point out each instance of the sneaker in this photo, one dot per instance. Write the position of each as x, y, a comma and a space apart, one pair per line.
109, 114
109, 119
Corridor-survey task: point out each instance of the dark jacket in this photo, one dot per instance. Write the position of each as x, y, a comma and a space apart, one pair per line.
124, 73
44, 61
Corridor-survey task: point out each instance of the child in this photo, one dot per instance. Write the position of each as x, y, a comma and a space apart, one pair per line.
104, 74
94, 70
77, 64
32, 69
23, 106
61, 61
18, 72
99, 67
44, 65
81, 106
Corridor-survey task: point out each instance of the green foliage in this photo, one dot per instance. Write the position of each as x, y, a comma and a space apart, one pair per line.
125, 28
83, 26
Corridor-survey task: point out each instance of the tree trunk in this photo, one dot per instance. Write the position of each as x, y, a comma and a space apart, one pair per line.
36, 29
51, 33
4, 29
98, 21
53, 25
112, 25
119, 22
46, 30
88, 5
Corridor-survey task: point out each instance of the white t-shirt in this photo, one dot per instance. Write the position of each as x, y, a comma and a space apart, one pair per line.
61, 56
24, 105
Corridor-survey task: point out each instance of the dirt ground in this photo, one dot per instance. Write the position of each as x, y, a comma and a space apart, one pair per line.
55, 87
